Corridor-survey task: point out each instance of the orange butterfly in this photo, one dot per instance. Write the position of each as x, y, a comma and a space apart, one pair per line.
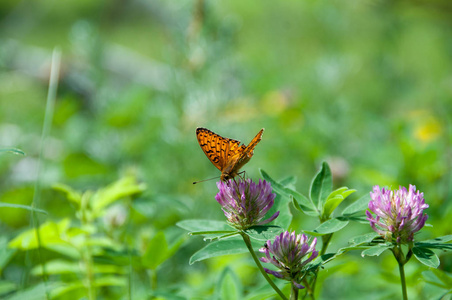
226, 154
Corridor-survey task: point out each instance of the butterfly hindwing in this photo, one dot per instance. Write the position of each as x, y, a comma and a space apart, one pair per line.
248, 151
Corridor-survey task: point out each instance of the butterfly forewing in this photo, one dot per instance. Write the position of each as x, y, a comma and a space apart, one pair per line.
216, 147
226, 154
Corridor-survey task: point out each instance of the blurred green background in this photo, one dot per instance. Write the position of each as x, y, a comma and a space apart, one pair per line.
365, 85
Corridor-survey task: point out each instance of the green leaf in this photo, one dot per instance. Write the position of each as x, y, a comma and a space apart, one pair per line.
13, 150
7, 287
58, 266
363, 239
5, 253
436, 243
356, 218
222, 247
66, 288
334, 199
285, 215
203, 225
71, 194
35, 292
321, 260
156, 252
358, 206
329, 226
229, 286
263, 232
376, 250
127, 186
110, 281
50, 233
438, 278
65, 250
305, 205
215, 234
321, 186
426, 256
303, 208
350, 248
441, 239
4, 204
164, 294
290, 180
74, 285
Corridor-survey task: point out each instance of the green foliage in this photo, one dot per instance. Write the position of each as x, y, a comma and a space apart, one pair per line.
362, 85
426, 256
85, 241
159, 251
440, 279
2, 204
321, 187
13, 150
229, 286
328, 227
219, 248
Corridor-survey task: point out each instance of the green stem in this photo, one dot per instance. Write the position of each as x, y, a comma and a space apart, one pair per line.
401, 260
325, 242
153, 279
48, 117
402, 279
293, 292
87, 258
247, 241
309, 291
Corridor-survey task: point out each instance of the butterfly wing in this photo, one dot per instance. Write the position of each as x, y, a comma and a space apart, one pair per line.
248, 151
218, 149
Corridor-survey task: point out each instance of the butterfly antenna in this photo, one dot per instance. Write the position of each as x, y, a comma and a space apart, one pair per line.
195, 182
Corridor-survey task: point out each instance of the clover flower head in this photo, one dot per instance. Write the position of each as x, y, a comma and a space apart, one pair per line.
290, 253
399, 213
245, 202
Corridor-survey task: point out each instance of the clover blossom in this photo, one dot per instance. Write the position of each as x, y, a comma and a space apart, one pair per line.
245, 203
290, 253
399, 213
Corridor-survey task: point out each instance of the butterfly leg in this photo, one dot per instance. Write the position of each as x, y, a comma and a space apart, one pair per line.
242, 175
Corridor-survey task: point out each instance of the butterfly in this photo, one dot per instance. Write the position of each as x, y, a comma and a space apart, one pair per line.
226, 154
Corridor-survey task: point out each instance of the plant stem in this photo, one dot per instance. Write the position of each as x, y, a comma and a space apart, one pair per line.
294, 292
325, 242
400, 257
309, 291
89, 274
402, 279
48, 118
247, 241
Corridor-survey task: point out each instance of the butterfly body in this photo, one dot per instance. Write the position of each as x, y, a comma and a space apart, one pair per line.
228, 155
